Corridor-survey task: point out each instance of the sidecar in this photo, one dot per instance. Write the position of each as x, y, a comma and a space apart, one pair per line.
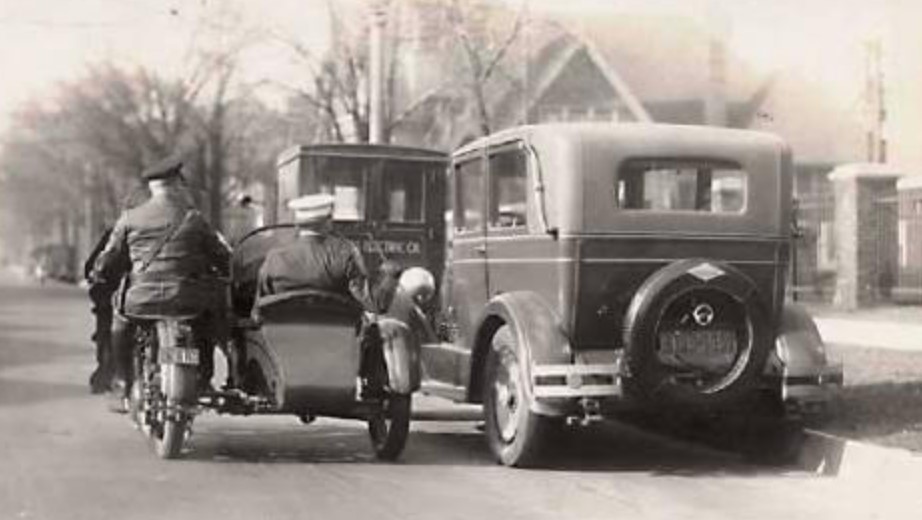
312, 353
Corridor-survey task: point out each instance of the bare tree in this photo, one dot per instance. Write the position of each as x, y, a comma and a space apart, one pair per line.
338, 80
483, 48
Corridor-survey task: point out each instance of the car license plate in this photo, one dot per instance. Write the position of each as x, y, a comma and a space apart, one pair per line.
179, 356
698, 347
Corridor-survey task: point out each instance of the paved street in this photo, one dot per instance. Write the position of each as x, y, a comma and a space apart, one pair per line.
64, 457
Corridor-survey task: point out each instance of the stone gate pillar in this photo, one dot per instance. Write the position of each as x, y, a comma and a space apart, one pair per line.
865, 237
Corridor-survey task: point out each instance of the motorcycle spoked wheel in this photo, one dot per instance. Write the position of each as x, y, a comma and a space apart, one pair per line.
165, 424
390, 428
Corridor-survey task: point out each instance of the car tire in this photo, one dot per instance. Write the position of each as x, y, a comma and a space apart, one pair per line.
650, 380
515, 434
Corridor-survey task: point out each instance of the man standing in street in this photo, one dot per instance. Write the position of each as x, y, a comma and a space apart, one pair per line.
101, 292
172, 258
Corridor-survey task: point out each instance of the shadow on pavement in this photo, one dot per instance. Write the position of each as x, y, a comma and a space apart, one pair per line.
605, 448
879, 410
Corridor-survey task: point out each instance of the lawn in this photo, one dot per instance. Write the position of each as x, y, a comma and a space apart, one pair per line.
881, 402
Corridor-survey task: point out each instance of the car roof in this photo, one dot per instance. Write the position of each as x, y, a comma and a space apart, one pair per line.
364, 150
591, 131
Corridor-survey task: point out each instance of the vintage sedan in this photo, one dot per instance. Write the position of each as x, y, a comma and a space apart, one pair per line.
594, 270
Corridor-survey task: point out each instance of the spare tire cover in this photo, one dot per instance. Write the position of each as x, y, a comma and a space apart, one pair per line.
695, 334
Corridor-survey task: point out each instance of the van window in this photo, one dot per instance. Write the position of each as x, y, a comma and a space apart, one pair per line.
404, 190
681, 185
345, 179
508, 193
469, 211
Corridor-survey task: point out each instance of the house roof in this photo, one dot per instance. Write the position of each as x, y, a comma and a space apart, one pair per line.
664, 58
661, 61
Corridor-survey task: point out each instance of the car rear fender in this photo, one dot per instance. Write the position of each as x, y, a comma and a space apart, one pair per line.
799, 346
540, 340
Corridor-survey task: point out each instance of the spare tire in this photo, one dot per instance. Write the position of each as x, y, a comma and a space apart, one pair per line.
696, 335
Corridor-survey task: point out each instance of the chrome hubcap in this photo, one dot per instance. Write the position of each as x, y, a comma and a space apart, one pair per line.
507, 396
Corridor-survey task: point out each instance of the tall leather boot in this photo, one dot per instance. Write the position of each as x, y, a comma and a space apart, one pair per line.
122, 339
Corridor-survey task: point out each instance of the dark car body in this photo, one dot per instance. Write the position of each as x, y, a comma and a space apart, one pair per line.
579, 242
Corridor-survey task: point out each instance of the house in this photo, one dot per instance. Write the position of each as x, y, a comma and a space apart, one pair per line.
676, 70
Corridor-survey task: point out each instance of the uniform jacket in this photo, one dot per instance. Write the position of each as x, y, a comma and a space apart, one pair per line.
321, 262
180, 280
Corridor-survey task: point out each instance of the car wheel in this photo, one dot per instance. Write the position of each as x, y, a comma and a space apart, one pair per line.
514, 433
696, 335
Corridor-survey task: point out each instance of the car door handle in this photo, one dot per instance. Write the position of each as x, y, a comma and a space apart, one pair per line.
481, 249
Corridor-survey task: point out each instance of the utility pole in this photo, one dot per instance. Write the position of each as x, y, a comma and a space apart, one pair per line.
376, 71
874, 101
715, 102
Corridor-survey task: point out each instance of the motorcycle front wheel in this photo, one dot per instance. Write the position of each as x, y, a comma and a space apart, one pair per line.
169, 440
389, 429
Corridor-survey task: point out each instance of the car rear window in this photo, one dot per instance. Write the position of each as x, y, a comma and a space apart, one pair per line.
681, 185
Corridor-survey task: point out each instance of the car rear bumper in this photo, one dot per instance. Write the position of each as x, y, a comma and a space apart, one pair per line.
811, 389
575, 381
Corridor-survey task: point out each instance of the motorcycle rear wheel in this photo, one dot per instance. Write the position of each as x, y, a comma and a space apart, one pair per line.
389, 429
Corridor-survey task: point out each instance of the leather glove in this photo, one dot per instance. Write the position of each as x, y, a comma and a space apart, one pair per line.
391, 269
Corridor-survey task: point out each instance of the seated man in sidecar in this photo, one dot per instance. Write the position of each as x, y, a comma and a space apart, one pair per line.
322, 261
318, 260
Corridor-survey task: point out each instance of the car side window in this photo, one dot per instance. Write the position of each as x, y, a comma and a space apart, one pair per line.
470, 195
508, 189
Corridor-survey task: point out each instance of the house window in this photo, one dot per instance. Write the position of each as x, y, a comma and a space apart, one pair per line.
552, 114
508, 189
603, 114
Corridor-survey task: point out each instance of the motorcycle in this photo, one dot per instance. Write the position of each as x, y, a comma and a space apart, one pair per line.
304, 353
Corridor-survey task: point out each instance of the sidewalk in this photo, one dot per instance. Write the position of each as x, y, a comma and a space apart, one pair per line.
889, 327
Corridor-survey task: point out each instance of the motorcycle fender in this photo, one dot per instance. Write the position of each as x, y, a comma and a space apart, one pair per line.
401, 354
178, 383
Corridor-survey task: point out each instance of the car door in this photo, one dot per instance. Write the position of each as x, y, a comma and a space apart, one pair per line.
464, 283
522, 257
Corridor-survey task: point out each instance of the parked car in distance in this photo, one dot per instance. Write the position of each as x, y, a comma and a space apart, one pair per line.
593, 270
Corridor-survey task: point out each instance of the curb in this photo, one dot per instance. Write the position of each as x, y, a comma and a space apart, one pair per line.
834, 456
874, 334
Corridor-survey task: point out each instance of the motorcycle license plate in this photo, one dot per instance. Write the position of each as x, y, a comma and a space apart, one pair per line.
179, 356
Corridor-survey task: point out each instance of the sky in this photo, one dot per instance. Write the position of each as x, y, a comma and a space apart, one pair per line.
46, 41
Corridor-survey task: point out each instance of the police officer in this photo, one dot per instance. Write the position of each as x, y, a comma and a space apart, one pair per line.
171, 256
323, 261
